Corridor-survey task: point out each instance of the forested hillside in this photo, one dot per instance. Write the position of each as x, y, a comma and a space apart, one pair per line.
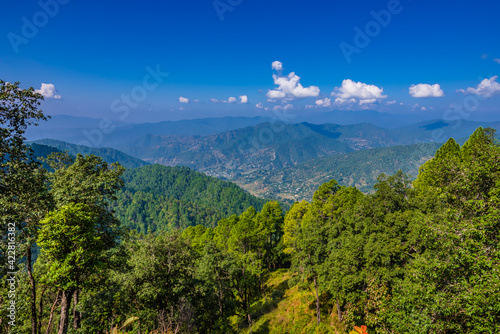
108, 154
158, 197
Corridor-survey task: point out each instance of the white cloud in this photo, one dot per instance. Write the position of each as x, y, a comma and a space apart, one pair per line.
486, 88
286, 107
391, 102
277, 65
497, 60
243, 99
309, 106
183, 100
259, 105
289, 86
324, 102
231, 99
426, 90
214, 100
352, 92
48, 91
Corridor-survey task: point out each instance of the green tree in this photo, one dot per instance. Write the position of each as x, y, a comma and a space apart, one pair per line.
74, 248
24, 197
91, 182
452, 284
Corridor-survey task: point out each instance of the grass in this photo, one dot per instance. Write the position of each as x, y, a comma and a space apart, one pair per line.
288, 309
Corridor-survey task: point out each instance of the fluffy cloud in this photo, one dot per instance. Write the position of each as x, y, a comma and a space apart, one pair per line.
324, 102
289, 86
286, 107
214, 100
391, 102
231, 99
486, 88
259, 105
48, 91
352, 92
243, 99
183, 100
426, 90
277, 65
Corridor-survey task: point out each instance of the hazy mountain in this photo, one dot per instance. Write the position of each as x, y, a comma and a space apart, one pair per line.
380, 119
44, 147
107, 133
269, 146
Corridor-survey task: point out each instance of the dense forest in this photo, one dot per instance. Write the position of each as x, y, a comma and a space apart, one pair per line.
421, 256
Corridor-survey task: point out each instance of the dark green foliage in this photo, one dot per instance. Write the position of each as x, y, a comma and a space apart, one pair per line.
162, 198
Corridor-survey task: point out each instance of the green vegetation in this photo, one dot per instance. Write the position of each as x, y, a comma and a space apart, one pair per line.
411, 256
108, 154
157, 198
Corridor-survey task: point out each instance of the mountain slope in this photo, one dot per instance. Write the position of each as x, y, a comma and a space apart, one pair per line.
108, 154
269, 146
87, 131
158, 197
360, 168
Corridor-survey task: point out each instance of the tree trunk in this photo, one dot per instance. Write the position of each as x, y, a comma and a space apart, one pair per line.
33, 293
249, 321
51, 317
40, 310
339, 313
65, 306
76, 314
317, 300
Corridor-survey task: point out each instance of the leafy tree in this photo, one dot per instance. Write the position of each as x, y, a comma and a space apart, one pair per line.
451, 284
74, 248
292, 223
23, 192
158, 282
91, 182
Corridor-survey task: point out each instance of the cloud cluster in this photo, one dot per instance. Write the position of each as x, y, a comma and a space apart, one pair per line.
486, 88
426, 90
277, 65
357, 92
289, 86
183, 99
324, 102
242, 99
48, 91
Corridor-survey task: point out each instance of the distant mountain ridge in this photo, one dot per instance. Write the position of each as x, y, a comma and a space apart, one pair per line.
91, 132
42, 147
269, 146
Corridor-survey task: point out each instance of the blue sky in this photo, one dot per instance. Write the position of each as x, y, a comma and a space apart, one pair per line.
91, 55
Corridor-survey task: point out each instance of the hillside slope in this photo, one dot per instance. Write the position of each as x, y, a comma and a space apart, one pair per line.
108, 154
158, 197
360, 169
